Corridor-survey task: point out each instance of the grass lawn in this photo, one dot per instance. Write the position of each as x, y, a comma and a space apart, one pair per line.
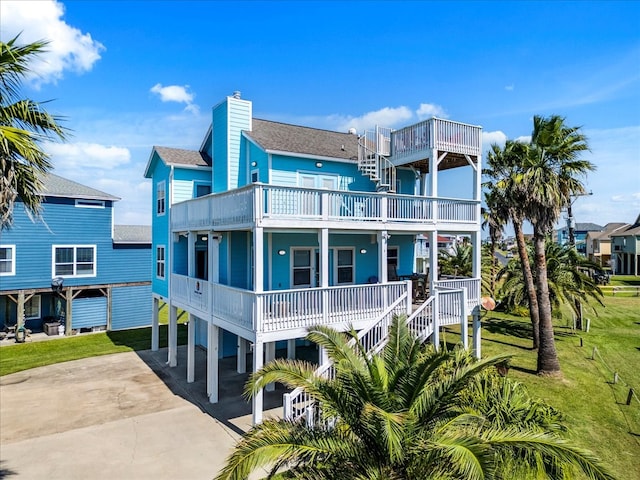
594, 405
22, 356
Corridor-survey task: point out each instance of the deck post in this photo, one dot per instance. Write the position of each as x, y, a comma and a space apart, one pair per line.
464, 323
477, 325
191, 348
291, 349
432, 238
242, 355
382, 256
435, 338
155, 325
323, 243
213, 332
270, 355
173, 336
257, 400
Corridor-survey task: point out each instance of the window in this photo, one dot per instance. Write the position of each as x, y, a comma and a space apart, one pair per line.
302, 268
202, 189
344, 266
160, 262
160, 198
254, 176
89, 203
74, 260
7, 260
32, 308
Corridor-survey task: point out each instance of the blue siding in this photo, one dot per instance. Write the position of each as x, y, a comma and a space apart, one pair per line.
239, 260
160, 226
130, 307
89, 312
230, 117
220, 144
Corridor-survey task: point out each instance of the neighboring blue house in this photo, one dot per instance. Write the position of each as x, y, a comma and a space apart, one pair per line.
73, 265
306, 226
579, 234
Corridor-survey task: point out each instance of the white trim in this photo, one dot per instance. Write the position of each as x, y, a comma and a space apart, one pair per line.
33, 317
86, 203
164, 262
75, 261
11, 260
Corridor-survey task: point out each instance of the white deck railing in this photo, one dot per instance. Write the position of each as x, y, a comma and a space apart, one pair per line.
283, 310
416, 140
257, 203
471, 285
422, 322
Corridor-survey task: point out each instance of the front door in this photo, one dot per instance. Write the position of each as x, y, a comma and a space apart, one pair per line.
304, 271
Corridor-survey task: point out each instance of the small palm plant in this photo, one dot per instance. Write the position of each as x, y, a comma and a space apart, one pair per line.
411, 412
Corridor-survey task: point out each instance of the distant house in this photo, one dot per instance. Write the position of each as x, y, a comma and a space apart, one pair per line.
305, 226
73, 265
579, 234
598, 244
625, 249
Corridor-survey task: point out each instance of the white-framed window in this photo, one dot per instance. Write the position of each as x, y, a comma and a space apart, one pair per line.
160, 262
344, 268
32, 308
161, 194
74, 260
7, 260
82, 203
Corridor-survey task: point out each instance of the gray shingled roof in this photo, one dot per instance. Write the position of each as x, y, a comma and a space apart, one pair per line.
179, 156
132, 234
282, 137
56, 186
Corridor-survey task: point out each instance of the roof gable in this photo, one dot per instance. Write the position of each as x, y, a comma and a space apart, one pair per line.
177, 157
286, 138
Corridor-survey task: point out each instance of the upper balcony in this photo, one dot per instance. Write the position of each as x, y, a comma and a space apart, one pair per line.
416, 142
268, 206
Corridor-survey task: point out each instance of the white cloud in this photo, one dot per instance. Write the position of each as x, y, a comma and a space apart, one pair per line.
176, 93
509, 88
428, 110
489, 138
87, 155
385, 117
69, 49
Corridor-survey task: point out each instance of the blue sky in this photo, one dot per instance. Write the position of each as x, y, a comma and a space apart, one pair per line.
130, 75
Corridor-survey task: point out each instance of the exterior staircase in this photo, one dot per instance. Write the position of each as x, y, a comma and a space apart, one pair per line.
374, 148
443, 308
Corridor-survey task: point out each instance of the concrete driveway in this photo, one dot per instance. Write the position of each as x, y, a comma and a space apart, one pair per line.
122, 416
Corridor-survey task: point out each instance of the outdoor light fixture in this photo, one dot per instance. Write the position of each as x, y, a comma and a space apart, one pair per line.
281, 252
319, 164
363, 250
204, 238
254, 164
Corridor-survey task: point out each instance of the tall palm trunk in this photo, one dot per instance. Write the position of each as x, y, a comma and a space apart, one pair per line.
548, 363
528, 279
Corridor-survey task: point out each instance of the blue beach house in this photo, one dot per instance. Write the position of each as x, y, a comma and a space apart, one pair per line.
271, 228
73, 266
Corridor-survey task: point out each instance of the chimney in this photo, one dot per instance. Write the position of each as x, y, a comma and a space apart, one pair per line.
236, 94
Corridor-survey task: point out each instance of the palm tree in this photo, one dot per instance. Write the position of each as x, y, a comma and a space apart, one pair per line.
495, 222
505, 171
567, 283
457, 261
411, 412
552, 175
23, 125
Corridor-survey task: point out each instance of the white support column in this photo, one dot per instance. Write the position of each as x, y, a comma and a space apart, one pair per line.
323, 243
191, 349
270, 355
213, 333
432, 238
173, 336
323, 357
382, 256
155, 325
476, 245
435, 338
477, 329
464, 320
191, 253
257, 399
291, 349
242, 355
258, 259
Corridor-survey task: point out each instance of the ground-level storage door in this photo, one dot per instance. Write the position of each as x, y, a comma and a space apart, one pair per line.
89, 312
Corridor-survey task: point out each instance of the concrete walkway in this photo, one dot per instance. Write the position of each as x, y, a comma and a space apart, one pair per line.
123, 416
